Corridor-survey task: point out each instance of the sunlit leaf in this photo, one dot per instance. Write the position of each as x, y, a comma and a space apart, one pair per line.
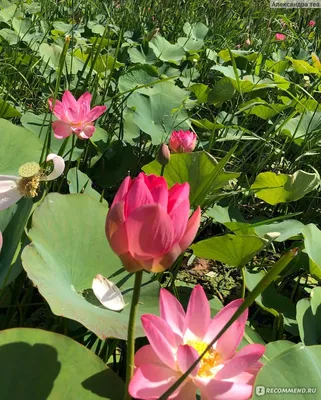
282, 188
199, 169
233, 250
18, 146
166, 51
282, 372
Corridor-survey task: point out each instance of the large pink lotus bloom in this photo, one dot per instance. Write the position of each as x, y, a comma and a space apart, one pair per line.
312, 23
74, 116
182, 141
177, 339
148, 226
280, 36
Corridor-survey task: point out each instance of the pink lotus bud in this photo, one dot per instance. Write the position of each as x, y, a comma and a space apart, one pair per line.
163, 155
312, 23
182, 141
177, 339
280, 36
74, 116
148, 225
247, 42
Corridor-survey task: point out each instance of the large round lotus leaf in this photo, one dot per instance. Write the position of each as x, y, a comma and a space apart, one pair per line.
17, 146
233, 250
297, 367
166, 51
199, 169
38, 365
69, 248
276, 188
157, 114
304, 125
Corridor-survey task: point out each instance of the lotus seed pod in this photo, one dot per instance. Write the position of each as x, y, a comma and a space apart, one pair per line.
29, 169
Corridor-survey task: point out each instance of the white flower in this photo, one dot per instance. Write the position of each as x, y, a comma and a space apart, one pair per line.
108, 293
13, 188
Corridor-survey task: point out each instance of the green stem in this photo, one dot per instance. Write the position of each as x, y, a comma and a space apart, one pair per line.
243, 283
69, 161
162, 170
131, 333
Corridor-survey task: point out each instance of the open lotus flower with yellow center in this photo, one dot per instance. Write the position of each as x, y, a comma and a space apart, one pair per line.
13, 188
177, 339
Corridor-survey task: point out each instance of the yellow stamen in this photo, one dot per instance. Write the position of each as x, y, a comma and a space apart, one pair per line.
210, 359
28, 187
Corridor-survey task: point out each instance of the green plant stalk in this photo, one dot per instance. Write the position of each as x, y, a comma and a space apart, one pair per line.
120, 37
98, 51
243, 282
131, 333
63, 146
59, 74
278, 327
259, 288
69, 161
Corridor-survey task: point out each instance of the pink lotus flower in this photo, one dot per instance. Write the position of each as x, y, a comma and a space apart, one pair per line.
312, 23
148, 226
74, 116
176, 341
280, 36
182, 141
247, 42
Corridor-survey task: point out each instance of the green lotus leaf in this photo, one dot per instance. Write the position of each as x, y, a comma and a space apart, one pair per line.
52, 366
68, 250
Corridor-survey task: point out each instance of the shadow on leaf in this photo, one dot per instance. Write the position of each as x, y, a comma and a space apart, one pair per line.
28, 372
105, 384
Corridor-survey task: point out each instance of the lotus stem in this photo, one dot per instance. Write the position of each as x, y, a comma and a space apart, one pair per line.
131, 333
